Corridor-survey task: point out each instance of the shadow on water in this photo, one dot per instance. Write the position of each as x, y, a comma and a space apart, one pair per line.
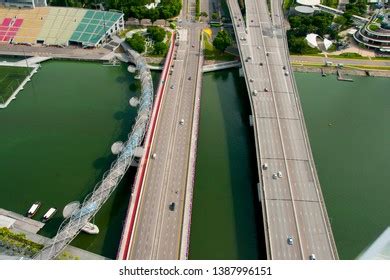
242, 151
226, 218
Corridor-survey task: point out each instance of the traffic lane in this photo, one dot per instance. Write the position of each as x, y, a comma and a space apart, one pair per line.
313, 230
178, 178
154, 174
281, 226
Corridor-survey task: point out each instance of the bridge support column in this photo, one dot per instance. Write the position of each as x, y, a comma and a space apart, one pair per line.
241, 72
138, 154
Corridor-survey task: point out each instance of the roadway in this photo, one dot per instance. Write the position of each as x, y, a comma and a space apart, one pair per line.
158, 228
292, 203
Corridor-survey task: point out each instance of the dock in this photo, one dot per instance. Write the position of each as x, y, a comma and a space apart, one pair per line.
341, 78
22, 223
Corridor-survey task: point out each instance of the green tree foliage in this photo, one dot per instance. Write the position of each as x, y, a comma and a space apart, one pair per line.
356, 7
160, 48
222, 41
214, 16
137, 42
156, 33
319, 24
298, 45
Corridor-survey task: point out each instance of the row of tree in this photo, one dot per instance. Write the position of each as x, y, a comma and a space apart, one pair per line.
131, 8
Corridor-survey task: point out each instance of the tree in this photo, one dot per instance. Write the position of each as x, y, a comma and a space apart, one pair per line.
214, 16
156, 33
204, 14
160, 48
222, 41
137, 42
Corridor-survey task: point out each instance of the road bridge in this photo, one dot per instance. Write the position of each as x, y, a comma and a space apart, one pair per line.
296, 223
161, 220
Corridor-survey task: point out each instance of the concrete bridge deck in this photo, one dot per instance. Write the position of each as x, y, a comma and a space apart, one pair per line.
289, 189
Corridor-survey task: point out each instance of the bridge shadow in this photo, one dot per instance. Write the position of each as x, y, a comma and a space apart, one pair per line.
243, 167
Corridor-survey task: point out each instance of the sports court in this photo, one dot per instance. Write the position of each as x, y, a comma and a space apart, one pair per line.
10, 79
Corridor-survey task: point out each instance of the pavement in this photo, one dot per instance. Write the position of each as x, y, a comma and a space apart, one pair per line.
321, 60
56, 52
158, 226
290, 195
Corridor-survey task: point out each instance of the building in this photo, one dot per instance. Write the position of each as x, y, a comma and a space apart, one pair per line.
375, 34
23, 3
58, 26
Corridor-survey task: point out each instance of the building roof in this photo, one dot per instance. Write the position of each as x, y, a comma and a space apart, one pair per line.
308, 2
312, 40
55, 25
304, 9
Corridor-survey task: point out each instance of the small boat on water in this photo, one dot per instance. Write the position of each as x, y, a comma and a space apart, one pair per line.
33, 209
90, 228
49, 214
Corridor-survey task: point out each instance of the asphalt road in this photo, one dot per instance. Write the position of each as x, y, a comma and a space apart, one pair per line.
292, 203
158, 227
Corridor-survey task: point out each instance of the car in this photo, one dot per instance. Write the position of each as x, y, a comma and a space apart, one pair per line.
189, 78
290, 240
286, 73
193, 45
172, 206
172, 86
267, 54
181, 121
261, 64
284, 67
154, 155
238, 25
251, 80
266, 89
280, 174
265, 166
274, 176
249, 58
312, 257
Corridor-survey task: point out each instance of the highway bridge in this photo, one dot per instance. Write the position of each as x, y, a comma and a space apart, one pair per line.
157, 227
295, 220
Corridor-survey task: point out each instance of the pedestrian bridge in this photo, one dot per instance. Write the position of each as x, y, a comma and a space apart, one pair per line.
72, 225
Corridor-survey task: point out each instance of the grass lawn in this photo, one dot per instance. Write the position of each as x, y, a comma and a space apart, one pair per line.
210, 53
10, 78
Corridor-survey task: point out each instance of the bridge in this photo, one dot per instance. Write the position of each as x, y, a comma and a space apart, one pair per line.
296, 223
72, 225
157, 224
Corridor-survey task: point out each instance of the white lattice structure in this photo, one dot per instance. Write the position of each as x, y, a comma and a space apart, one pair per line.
71, 226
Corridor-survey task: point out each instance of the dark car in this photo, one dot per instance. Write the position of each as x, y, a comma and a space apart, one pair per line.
172, 206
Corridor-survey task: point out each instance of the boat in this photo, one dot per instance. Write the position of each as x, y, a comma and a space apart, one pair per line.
33, 209
90, 228
49, 214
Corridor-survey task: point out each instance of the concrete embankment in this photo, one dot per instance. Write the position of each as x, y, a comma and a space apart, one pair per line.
345, 71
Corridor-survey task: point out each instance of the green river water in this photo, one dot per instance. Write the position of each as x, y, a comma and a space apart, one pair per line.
56, 138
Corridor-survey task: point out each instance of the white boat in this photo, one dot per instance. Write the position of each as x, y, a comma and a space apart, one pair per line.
90, 228
33, 209
49, 214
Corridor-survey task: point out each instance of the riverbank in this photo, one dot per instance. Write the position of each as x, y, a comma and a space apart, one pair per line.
345, 71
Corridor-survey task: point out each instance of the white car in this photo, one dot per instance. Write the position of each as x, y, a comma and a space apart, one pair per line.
290, 240
181, 122
154, 156
312, 257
